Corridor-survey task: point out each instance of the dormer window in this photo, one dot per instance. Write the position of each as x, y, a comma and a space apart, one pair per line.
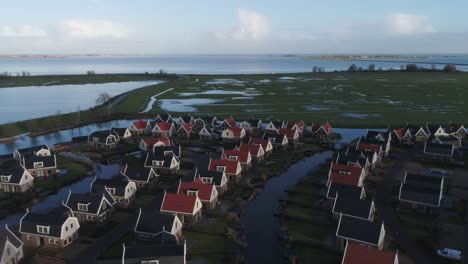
232, 157
220, 168
351, 163
192, 192
82, 207
345, 172
207, 180
5, 178
271, 139
111, 190
38, 165
158, 163
43, 229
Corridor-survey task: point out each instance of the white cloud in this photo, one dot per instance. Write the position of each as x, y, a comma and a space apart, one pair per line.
90, 29
406, 24
252, 26
22, 31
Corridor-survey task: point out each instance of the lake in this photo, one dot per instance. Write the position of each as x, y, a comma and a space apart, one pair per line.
203, 64
23, 103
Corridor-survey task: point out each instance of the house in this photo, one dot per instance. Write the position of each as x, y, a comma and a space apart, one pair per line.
47, 230
149, 144
359, 231
345, 189
228, 122
124, 134
42, 150
11, 247
164, 129
256, 151
208, 133
322, 132
164, 160
243, 156
185, 130
15, 179
150, 224
384, 138
291, 134
402, 135
144, 178
279, 142
216, 178
207, 193
457, 130
255, 126
201, 122
233, 134
359, 254
231, 168
420, 134
123, 192
370, 145
40, 166
184, 120
163, 118
353, 205
351, 157
350, 175
104, 139
300, 126
274, 126
420, 193
186, 207
140, 127
91, 208
436, 131
439, 151
449, 140
162, 253
246, 126
265, 143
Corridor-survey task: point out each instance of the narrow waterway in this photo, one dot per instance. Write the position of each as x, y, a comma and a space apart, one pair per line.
260, 226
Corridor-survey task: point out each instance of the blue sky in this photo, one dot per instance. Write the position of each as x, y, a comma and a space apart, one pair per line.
231, 27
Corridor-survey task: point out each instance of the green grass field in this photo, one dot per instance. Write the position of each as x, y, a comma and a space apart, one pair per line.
359, 100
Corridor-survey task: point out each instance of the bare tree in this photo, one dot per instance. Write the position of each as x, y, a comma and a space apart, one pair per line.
78, 114
102, 98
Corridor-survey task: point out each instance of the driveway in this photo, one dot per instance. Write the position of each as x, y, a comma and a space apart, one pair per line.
393, 226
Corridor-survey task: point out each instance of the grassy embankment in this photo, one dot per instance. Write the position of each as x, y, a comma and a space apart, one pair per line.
362, 99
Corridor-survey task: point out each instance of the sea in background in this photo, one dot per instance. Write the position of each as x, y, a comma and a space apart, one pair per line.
207, 64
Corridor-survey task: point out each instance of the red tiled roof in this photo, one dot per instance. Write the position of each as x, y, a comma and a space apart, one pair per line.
327, 127
187, 127
150, 142
165, 126
370, 147
356, 254
140, 124
179, 203
290, 133
256, 141
204, 190
400, 132
252, 148
349, 179
230, 165
230, 121
236, 131
242, 155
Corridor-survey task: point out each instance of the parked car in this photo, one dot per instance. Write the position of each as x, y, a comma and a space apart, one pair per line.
450, 253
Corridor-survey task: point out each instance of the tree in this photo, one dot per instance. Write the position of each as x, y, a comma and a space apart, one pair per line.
411, 68
314, 69
450, 68
372, 67
102, 98
352, 68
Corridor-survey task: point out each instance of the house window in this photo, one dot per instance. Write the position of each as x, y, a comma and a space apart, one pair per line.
232, 157
82, 207
111, 190
95, 139
71, 226
220, 168
103, 205
157, 163
43, 229
345, 172
150, 262
38, 165
5, 178
66, 228
29, 237
192, 192
207, 180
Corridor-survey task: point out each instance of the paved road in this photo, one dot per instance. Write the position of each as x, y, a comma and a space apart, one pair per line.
383, 200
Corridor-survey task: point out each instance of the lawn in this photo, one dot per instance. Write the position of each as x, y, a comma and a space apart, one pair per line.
75, 172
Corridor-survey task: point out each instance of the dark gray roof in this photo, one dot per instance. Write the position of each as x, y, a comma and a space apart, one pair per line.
452, 127
119, 131
92, 199
159, 156
7, 235
60, 210
421, 189
432, 128
49, 161
137, 174
372, 134
163, 117
30, 222
347, 190
118, 183
134, 255
186, 119
15, 171
359, 230
277, 123
352, 205
31, 150
276, 138
352, 156
254, 122
439, 149
154, 222
216, 176
102, 135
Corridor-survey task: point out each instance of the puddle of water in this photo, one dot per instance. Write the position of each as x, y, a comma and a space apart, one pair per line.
242, 98
224, 81
287, 78
318, 108
388, 101
220, 92
360, 94
185, 105
153, 99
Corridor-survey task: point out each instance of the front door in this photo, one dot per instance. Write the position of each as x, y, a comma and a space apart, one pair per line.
40, 241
